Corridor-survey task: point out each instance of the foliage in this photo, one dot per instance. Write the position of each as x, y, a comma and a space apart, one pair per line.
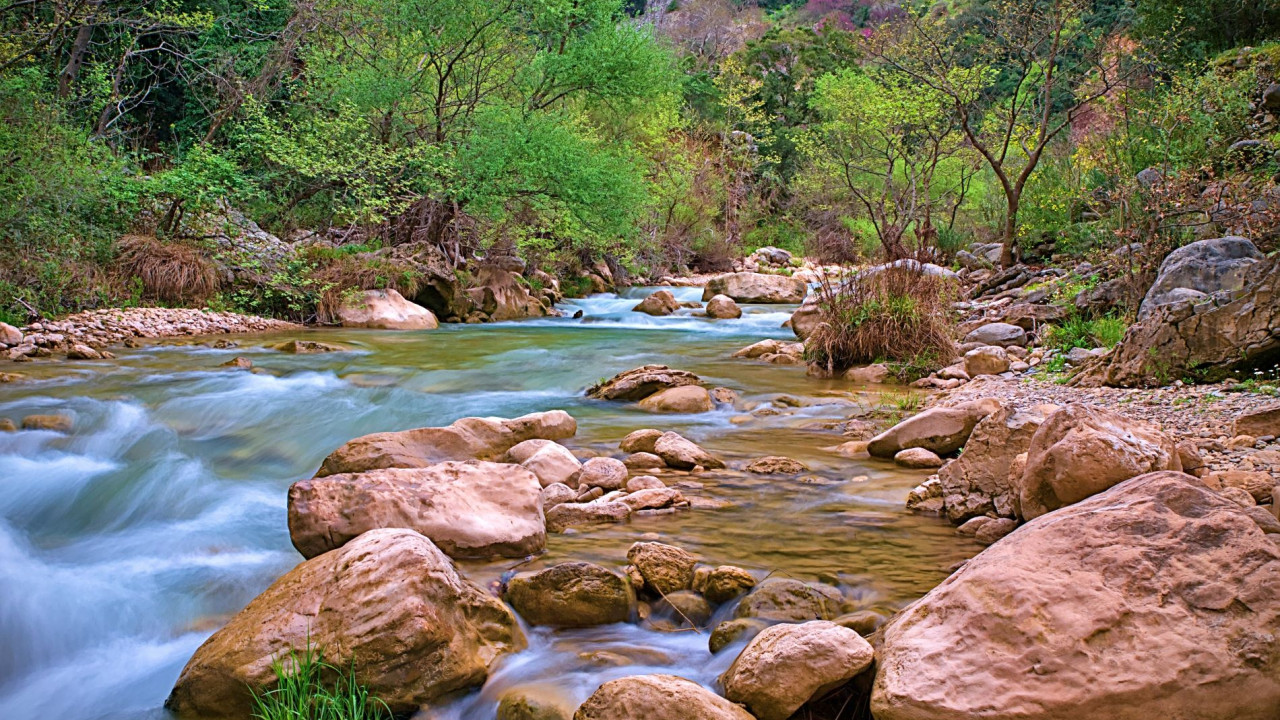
308, 688
1080, 332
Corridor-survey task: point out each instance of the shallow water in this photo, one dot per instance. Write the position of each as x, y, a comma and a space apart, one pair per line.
126, 543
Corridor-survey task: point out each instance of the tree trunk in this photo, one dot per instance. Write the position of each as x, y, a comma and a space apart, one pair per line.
1010, 229
71, 72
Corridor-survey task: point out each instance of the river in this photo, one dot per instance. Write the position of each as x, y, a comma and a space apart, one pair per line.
125, 543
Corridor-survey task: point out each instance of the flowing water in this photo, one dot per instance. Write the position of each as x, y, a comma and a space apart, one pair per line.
125, 543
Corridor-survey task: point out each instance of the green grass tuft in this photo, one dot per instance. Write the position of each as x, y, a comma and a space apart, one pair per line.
303, 692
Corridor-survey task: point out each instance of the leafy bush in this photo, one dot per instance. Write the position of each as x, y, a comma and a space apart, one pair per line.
308, 688
1079, 332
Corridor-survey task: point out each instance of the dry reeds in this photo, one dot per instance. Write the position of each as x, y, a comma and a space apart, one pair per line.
338, 275
169, 271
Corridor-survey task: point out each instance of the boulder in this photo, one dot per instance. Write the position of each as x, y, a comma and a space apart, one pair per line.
917, 458
468, 509
657, 697
664, 568
644, 482
467, 439
575, 514
653, 498
988, 360
389, 605
776, 465
52, 423
682, 454
1258, 422
571, 594
787, 600
556, 494
535, 702
998, 334
786, 666
1211, 339
981, 480
726, 583
1156, 598
640, 441
686, 399
771, 255
552, 464
722, 307
384, 310
661, 302
641, 382
501, 294
681, 609
874, 374
1206, 267
1257, 483
746, 287
603, 472
10, 335
1080, 451
942, 430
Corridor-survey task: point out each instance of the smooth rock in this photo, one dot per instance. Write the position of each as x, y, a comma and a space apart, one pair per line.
571, 594
1206, 267
683, 454
722, 307
644, 482
989, 360
385, 310
639, 383
756, 288
665, 568
53, 423
552, 463
917, 458
643, 461
567, 515
657, 697
603, 472
942, 430
998, 334
787, 600
687, 399
660, 302
640, 441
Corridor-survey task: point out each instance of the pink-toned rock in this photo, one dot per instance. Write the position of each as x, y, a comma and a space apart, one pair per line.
686, 399
604, 473
385, 310
723, 307
657, 697
941, 430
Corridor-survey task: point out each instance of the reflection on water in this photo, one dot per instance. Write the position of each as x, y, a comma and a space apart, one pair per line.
124, 544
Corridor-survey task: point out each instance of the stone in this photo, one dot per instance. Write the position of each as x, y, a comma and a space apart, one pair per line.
665, 568
644, 482
992, 531
786, 666
682, 454
998, 334
657, 697
603, 472
982, 480
686, 399
731, 631
640, 441
1081, 450
1257, 483
643, 461
659, 303
1258, 422
572, 514
556, 494
468, 509
10, 335
863, 622
773, 256
1266, 521
7, 425
1239, 496
875, 374
756, 288
307, 347
722, 307
52, 422
466, 439
788, 600
917, 458
653, 499
941, 430
760, 349
1190, 459
639, 383
551, 463
988, 360
806, 319
240, 363
1206, 267
388, 605
726, 583
970, 527
724, 396
776, 465
1155, 598
384, 310
79, 351
535, 702
683, 608
571, 594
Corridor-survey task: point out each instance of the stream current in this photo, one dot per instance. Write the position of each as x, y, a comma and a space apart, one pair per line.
127, 542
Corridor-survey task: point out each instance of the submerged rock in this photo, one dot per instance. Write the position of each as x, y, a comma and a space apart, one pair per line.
787, 600
51, 422
572, 594
468, 509
657, 697
1156, 598
639, 383
776, 465
307, 347
578, 514
389, 605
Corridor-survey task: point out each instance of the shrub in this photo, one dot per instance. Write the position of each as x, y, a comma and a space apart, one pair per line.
898, 315
337, 274
169, 271
308, 688
1079, 332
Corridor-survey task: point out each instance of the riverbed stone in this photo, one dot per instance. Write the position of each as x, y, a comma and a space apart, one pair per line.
722, 307
685, 399
725, 583
10, 335
640, 441
731, 631
557, 493
384, 310
639, 383
644, 482
1082, 450
786, 666
789, 600
1155, 598
983, 479
52, 422
571, 515
776, 465
658, 303
308, 347
1258, 422
389, 605
535, 702
653, 499
917, 458
682, 609
643, 461
571, 594
665, 568
552, 463
683, 454
657, 697
468, 509
942, 430
470, 438
603, 472
987, 360
758, 288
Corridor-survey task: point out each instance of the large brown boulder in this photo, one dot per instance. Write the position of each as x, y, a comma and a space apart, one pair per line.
788, 600
747, 287
664, 568
1155, 599
500, 294
686, 399
1258, 422
1200, 269
806, 319
657, 697
388, 604
786, 666
723, 307
468, 509
1210, 338
942, 430
639, 383
1080, 451
659, 303
572, 594
683, 454
466, 439
979, 482
385, 310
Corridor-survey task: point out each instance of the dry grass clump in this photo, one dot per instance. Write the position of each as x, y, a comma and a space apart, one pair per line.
173, 272
895, 315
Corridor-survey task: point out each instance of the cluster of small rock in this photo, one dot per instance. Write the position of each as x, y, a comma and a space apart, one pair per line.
84, 336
